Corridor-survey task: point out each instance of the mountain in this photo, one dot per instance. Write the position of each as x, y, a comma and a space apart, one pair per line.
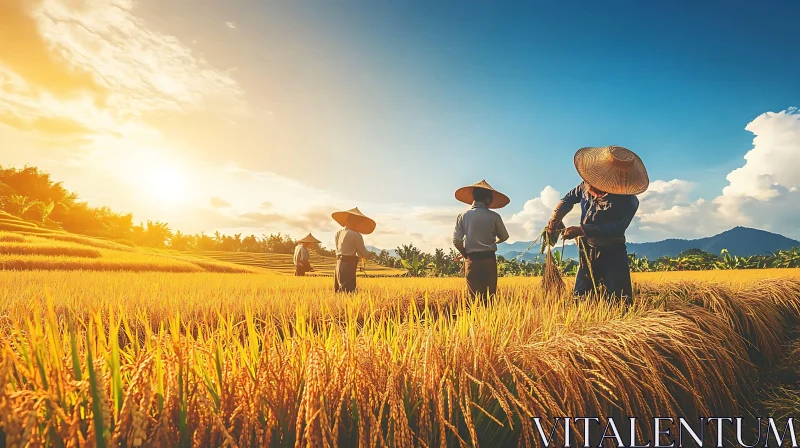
570, 251
378, 250
741, 241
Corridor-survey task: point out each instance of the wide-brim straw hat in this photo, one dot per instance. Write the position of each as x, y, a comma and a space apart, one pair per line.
613, 169
464, 194
355, 220
309, 239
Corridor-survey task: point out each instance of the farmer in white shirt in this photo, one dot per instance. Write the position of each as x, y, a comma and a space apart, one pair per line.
477, 233
302, 259
350, 247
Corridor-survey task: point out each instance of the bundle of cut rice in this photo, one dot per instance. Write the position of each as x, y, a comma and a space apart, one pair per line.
552, 283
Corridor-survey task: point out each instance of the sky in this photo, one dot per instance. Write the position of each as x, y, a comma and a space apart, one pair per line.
251, 116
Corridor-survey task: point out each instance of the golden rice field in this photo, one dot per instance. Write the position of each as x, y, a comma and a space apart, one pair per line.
284, 263
205, 359
26, 246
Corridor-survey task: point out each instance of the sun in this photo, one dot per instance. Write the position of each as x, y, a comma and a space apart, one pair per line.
165, 183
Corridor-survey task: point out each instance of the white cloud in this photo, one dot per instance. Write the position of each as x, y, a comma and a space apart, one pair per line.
771, 168
97, 76
142, 70
528, 223
122, 70
762, 193
666, 210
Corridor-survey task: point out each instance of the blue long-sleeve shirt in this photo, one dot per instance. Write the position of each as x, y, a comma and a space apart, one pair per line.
607, 216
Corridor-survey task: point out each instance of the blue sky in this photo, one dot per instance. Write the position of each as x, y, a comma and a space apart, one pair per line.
501, 92
393, 105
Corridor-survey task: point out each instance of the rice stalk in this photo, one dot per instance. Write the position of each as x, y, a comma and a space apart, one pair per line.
552, 283
208, 360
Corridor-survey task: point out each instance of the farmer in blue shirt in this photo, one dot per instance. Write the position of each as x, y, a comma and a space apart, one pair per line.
612, 176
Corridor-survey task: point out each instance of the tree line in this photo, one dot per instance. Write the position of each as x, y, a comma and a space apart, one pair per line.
441, 264
33, 195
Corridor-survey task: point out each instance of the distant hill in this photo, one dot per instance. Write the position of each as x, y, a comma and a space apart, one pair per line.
741, 241
378, 250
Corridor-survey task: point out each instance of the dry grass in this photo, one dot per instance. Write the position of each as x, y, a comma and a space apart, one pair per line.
552, 283
284, 264
59, 251
209, 360
8, 237
84, 240
53, 250
782, 399
46, 249
736, 277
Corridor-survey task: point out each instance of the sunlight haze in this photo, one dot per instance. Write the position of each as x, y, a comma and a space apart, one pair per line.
264, 117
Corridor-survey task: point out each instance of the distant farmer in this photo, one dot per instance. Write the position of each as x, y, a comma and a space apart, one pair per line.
612, 176
302, 259
350, 247
477, 233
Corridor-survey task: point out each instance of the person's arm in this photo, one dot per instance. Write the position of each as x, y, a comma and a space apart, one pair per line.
361, 249
614, 229
458, 236
500, 229
565, 206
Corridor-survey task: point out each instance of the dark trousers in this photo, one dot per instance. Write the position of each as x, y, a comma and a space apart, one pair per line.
300, 271
481, 274
344, 275
612, 274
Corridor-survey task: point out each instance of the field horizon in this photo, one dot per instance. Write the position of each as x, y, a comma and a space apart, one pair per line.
25, 245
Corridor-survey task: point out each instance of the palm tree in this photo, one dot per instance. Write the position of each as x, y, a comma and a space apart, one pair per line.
416, 267
45, 210
439, 262
407, 252
789, 258
728, 261
19, 205
638, 264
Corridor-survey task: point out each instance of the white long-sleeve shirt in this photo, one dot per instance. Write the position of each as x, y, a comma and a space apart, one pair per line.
479, 230
301, 255
350, 243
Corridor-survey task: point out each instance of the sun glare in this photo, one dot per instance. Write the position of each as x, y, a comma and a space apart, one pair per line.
166, 184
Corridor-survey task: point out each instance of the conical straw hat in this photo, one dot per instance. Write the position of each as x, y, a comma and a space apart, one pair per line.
355, 220
499, 200
613, 169
309, 239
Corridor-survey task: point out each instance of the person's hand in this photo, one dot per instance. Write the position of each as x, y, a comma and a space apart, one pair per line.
572, 232
552, 224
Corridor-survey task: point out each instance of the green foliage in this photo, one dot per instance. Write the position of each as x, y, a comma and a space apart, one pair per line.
441, 265
416, 267
698, 260
384, 259
31, 194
